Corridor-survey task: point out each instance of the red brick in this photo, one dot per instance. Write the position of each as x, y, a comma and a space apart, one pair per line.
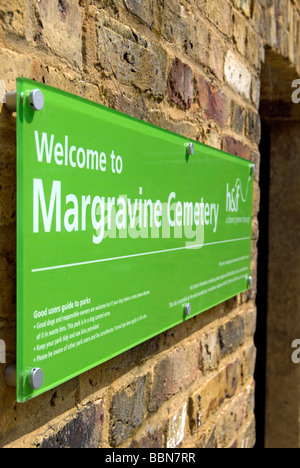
231, 335
213, 102
181, 85
174, 373
84, 430
154, 439
127, 411
207, 400
233, 146
233, 377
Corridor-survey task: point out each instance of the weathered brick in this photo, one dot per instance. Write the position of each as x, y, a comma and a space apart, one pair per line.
248, 437
190, 37
176, 428
11, 66
250, 400
213, 138
207, 440
144, 9
84, 430
238, 118
214, 392
131, 58
174, 373
270, 25
244, 6
154, 439
2, 91
220, 14
60, 28
250, 320
233, 146
231, 335
249, 361
181, 85
209, 356
258, 18
233, 377
131, 105
207, 400
253, 126
253, 50
13, 18
237, 75
180, 126
239, 33
230, 421
213, 102
256, 199
216, 56
127, 411
8, 205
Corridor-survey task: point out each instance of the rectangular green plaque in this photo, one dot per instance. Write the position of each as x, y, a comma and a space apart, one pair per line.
119, 227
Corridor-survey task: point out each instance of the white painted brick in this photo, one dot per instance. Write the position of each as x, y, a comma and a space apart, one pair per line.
255, 91
2, 93
237, 75
176, 428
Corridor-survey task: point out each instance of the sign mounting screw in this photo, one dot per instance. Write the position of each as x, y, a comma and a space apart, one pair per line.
10, 376
36, 100
191, 149
10, 101
36, 378
187, 309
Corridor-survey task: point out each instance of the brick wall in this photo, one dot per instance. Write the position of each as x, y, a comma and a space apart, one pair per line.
192, 67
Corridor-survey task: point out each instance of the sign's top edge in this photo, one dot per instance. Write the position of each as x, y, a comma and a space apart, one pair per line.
86, 101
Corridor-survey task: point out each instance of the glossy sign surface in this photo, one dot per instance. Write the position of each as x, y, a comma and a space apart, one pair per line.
118, 229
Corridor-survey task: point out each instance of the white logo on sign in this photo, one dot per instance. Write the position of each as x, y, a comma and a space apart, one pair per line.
234, 195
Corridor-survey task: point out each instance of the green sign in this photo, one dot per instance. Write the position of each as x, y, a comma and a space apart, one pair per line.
124, 230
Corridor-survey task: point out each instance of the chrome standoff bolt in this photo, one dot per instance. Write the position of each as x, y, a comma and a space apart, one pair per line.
250, 282
191, 149
10, 101
187, 308
252, 170
36, 378
36, 100
10, 376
